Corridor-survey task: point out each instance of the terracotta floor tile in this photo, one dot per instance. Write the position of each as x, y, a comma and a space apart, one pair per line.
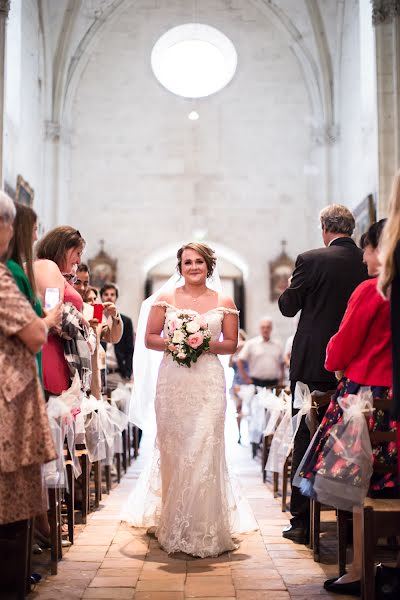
262, 595
101, 581
222, 571
199, 587
152, 574
122, 552
159, 596
168, 584
72, 565
109, 593
119, 572
122, 562
172, 569
251, 583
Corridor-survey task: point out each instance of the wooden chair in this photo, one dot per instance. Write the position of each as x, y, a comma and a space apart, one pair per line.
266, 440
135, 441
319, 402
15, 553
82, 454
287, 468
265, 452
380, 518
70, 496
54, 514
97, 483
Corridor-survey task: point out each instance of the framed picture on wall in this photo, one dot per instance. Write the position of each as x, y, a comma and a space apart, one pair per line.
24, 194
280, 270
103, 268
364, 215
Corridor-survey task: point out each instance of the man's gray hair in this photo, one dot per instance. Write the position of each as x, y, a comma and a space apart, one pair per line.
336, 218
7, 208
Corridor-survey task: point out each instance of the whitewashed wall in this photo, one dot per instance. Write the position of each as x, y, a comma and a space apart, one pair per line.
358, 154
143, 176
24, 105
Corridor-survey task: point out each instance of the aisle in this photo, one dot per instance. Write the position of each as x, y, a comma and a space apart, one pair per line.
112, 560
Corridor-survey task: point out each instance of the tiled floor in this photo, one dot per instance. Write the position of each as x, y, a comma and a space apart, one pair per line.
111, 560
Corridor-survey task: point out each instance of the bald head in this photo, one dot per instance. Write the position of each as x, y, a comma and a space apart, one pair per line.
266, 328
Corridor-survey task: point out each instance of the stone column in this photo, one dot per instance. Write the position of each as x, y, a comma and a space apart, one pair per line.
4, 10
386, 20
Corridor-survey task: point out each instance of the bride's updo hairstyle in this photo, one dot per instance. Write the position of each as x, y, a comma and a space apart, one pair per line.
205, 251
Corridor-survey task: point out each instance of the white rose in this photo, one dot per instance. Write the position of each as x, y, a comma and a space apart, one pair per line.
193, 326
178, 336
181, 355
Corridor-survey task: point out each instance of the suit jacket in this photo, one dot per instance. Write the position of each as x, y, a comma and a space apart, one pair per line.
322, 283
124, 348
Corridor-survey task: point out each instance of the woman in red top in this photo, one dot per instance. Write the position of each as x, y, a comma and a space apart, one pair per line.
361, 352
58, 253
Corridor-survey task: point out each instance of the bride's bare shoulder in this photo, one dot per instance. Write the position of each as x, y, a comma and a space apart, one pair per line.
226, 302
165, 297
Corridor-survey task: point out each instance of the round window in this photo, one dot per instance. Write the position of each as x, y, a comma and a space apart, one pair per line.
194, 60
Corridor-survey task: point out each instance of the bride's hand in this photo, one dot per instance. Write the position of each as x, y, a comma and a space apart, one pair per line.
212, 347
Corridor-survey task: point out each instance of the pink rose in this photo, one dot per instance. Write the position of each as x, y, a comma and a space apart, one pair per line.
174, 324
195, 340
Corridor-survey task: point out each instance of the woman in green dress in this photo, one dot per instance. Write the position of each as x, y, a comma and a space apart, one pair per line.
20, 264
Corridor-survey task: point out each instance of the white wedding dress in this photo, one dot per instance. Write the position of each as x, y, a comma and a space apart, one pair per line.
186, 491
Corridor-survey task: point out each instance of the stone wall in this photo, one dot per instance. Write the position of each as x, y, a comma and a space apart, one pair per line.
145, 178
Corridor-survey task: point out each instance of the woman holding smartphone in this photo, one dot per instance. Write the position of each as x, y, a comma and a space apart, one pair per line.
20, 264
58, 252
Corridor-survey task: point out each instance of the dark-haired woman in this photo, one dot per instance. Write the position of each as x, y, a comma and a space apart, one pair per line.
361, 349
58, 253
21, 266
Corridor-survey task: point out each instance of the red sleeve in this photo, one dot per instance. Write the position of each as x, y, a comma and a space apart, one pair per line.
347, 343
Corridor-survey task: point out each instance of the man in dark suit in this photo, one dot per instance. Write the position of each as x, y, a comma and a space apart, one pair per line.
320, 287
118, 356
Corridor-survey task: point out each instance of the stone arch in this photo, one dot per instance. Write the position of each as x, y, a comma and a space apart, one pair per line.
277, 16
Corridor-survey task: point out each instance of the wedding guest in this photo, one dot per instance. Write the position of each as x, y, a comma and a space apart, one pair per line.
361, 349
25, 436
109, 330
237, 379
81, 279
320, 288
91, 296
21, 267
118, 356
20, 264
263, 356
58, 252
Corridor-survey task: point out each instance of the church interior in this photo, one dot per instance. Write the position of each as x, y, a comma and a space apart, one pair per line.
148, 124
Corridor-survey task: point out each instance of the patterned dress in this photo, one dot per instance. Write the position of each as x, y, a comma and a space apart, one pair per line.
382, 485
25, 437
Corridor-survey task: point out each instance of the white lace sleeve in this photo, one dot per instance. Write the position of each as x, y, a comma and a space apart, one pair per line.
163, 304
228, 311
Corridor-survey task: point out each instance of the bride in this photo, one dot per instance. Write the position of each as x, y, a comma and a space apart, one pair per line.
198, 512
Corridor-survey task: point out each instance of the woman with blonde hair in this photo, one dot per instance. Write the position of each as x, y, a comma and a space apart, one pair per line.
389, 283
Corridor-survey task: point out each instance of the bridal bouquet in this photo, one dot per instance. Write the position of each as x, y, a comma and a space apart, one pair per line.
188, 337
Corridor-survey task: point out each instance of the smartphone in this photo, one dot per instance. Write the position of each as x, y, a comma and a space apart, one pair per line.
98, 312
51, 298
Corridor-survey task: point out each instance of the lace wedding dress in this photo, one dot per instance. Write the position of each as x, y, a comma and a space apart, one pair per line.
186, 491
